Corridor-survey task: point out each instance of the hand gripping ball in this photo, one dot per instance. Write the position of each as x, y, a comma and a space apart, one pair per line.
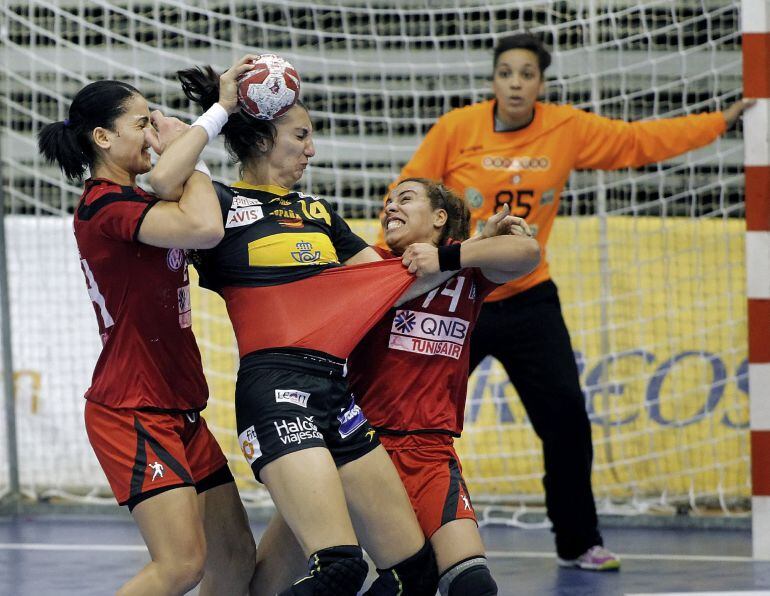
270, 89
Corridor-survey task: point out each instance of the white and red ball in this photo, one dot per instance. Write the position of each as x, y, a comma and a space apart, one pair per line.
270, 89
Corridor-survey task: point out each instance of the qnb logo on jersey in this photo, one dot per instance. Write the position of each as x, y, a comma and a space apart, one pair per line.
516, 164
351, 419
250, 444
292, 396
243, 216
175, 259
404, 321
305, 253
297, 430
429, 334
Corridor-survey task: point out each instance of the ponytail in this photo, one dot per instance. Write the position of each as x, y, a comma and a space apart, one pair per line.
200, 85
58, 143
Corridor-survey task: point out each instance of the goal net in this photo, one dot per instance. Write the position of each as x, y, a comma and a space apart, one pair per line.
649, 262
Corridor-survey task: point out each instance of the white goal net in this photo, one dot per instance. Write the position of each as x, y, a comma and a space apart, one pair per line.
649, 262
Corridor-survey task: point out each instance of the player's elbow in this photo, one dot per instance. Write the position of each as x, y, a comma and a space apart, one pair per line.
205, 234
163, 185
527, 252
532, 255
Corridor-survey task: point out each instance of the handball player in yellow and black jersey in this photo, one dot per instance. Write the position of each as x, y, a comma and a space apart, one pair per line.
297, 314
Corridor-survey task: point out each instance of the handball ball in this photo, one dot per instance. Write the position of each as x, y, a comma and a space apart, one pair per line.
270, 89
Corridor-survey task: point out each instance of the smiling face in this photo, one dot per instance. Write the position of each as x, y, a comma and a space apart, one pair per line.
123, 150
517, 83
409, 217
292, 149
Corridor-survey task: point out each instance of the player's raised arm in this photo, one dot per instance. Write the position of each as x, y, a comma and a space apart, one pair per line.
175, 167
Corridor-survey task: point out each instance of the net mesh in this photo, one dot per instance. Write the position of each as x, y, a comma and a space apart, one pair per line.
649, 262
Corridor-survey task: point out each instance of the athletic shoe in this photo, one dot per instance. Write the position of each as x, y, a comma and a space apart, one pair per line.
596, 558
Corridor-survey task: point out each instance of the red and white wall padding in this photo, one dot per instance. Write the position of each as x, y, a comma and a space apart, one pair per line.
756, 134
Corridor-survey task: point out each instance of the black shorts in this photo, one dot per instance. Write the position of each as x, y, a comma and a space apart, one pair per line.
288, 400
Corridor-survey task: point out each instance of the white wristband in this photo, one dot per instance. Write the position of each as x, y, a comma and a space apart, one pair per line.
202, 168
212, 120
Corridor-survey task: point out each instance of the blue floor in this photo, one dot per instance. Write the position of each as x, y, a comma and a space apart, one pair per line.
93, 555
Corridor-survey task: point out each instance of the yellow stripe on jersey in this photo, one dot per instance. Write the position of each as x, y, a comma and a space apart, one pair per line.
271, 188
292, 249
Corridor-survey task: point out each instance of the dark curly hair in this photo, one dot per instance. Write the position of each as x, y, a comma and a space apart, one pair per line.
458, 222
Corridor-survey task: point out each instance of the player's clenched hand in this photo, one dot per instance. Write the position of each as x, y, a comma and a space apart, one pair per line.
164, 131
421, 259
228, 87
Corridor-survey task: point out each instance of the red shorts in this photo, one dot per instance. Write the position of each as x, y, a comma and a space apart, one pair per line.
145, 452
432, 474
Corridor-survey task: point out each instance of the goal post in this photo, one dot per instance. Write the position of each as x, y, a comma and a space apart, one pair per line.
756, 74
651, 263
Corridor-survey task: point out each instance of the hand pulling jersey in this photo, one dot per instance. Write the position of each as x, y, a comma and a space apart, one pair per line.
279, 270
410, 372
141, 297
528, 168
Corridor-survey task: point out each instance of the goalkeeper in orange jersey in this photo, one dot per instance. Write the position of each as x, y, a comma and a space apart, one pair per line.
515, 150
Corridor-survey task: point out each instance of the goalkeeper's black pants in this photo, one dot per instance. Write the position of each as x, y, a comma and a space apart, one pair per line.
527, 334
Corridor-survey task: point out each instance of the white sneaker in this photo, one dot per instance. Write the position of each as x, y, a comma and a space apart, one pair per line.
596, 558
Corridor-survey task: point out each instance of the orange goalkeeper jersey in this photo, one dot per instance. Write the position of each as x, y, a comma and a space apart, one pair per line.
529, 167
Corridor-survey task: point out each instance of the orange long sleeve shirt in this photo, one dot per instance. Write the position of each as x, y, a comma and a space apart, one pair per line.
529, 167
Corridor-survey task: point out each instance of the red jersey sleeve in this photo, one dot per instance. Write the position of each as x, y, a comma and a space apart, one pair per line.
116, 212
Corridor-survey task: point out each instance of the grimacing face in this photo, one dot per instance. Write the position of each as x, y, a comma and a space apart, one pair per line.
293, 147
408, 217
517, 83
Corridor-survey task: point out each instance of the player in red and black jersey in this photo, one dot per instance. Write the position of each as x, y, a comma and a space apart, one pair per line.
143, 407
297, 313
410, 372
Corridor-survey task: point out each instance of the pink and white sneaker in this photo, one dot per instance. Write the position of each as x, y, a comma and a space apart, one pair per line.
596, 558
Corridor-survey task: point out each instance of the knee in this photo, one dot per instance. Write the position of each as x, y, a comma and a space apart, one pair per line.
334, 571
468, 578
415, 576
186, 571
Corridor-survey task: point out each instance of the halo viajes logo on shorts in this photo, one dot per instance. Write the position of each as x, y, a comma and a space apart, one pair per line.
292, 396
516, 163
297, 430
250, 444
426, 333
